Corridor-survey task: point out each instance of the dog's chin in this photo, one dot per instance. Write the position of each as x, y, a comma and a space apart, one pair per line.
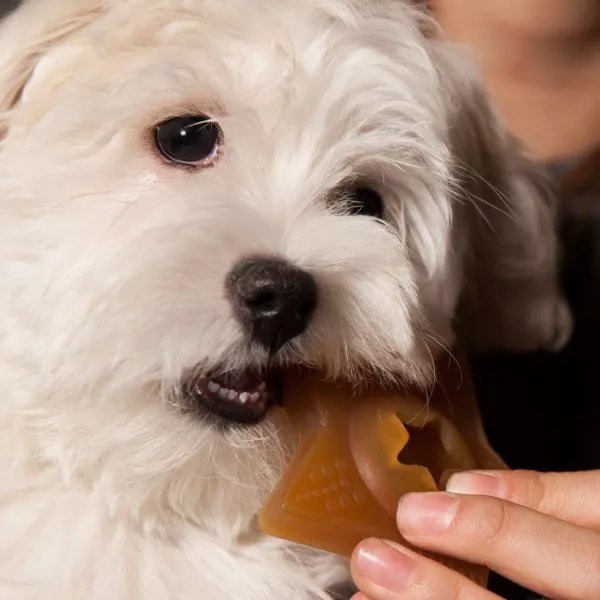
235, 397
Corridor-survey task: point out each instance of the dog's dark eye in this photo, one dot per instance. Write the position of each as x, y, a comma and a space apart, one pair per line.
366, 202
191, 140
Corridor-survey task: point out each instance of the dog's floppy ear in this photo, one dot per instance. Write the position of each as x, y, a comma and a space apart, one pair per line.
28, 33
507, 211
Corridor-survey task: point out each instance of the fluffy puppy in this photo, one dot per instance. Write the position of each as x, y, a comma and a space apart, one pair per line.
193, 195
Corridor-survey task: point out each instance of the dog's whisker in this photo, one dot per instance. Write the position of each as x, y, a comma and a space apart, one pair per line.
200, 202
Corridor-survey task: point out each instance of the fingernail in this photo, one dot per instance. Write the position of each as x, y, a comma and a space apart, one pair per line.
385, 565
427, 513
475, 482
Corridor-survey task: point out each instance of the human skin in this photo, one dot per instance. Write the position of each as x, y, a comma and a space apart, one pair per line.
540, 530
540, 60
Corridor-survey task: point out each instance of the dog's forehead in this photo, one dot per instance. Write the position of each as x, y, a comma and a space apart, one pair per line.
246, 35
264, 46
280, 75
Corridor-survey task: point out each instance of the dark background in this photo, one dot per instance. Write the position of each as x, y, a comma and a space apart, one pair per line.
7, 5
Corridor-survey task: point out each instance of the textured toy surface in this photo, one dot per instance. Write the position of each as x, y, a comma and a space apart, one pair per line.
358, 455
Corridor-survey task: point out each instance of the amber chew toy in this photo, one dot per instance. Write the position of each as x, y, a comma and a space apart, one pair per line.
357, 455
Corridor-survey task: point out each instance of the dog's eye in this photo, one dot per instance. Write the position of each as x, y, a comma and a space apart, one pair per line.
366, 202
191, 140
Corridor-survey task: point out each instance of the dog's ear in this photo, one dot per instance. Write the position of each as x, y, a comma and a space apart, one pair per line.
506, 211
27, 35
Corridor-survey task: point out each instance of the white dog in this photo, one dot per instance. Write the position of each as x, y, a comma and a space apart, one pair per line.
194, 193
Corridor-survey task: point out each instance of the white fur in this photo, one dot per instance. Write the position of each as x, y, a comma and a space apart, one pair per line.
113, 263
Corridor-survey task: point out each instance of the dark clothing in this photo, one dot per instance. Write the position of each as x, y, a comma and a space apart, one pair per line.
542, 411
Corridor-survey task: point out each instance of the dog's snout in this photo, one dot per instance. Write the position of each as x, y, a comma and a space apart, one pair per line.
272, 299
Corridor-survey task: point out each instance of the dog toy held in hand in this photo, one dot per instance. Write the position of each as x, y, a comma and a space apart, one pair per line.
358, 455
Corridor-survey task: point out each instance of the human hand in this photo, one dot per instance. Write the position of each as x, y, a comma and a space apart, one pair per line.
539, 530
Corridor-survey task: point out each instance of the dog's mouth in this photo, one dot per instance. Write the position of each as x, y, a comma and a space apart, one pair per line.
243, 397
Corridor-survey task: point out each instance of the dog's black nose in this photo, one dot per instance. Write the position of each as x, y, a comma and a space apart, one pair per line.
272, 299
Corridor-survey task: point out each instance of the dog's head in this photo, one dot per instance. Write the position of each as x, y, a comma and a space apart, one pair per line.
195, 194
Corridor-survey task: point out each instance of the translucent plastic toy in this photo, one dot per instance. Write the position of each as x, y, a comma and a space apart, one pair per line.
358, 454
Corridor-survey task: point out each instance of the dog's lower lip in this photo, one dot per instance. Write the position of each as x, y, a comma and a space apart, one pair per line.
243, 397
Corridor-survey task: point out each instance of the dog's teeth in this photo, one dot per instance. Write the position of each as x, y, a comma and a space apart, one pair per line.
228, 394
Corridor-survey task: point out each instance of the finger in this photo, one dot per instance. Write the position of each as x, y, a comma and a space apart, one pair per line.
386, 571
550, 556
572, 497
